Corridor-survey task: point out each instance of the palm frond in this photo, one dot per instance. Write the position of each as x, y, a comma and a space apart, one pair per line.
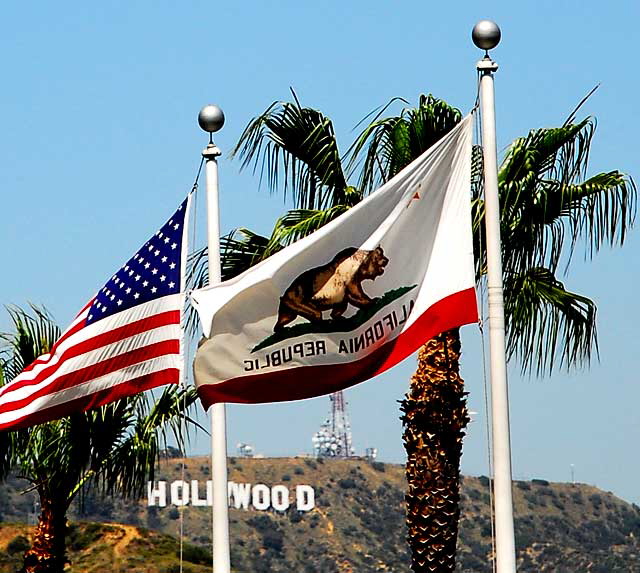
7, 454
299, 223
297, 145
478, 212
560, 153
571, 118
381, 156
131, 463
547, 324
601, 209
34, 334
392, 143
543, 200
239, 250
197, 276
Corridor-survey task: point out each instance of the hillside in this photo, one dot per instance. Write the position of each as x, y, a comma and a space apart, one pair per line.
357, 524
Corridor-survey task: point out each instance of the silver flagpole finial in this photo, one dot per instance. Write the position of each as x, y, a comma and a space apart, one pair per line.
486, 35
211, 118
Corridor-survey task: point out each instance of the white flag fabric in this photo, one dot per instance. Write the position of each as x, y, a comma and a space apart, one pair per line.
352, 299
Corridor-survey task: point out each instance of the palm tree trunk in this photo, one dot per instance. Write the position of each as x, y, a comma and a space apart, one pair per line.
48, 551
435, 416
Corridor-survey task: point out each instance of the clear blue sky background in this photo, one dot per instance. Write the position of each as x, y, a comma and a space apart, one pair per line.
99, 142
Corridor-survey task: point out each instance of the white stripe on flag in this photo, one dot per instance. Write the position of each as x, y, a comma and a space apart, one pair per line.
146, 310
159, 334
95, 385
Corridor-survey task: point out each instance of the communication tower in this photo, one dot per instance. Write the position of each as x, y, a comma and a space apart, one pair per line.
333, 439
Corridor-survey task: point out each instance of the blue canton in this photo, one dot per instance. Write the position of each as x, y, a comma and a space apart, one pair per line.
153, 272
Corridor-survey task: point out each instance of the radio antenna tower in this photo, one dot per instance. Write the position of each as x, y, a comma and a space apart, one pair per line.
334, 440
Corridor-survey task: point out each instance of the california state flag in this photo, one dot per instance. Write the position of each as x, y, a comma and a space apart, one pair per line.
352, 299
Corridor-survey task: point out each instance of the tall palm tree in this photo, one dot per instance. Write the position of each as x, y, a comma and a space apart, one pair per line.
548, 207
114, 448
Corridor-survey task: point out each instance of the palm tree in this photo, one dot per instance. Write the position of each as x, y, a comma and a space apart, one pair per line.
548, 206
114, 448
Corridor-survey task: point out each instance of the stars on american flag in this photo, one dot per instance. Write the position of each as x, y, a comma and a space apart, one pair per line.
153, 272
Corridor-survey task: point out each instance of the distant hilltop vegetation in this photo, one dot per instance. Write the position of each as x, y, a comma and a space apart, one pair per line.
352, 522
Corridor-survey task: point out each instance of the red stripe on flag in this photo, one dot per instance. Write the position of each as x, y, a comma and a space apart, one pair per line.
70, 332
99, 341
308, 381
128, 388
85, 307
97, 370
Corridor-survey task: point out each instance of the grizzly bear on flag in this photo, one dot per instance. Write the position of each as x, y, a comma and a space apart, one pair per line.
331, 286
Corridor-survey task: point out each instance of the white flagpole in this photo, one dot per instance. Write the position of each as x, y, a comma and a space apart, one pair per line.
211, 119
486, 36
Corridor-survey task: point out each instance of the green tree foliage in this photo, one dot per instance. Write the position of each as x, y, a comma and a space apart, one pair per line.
113, 448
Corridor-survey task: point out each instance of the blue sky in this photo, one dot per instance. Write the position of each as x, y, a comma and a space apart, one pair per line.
99, 142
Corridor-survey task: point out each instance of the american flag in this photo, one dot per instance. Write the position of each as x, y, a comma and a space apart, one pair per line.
127, 338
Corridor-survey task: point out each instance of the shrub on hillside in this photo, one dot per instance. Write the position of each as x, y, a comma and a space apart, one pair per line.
531, 498
78, 539
195, 554
576, 497
474, 494
347, 483
596, 499
315, 520
18, 544
260, 522
378, 466
177, 568
350, 531
539, 482
485, 530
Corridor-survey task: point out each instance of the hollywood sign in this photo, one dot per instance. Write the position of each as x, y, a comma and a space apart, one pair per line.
239, 495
